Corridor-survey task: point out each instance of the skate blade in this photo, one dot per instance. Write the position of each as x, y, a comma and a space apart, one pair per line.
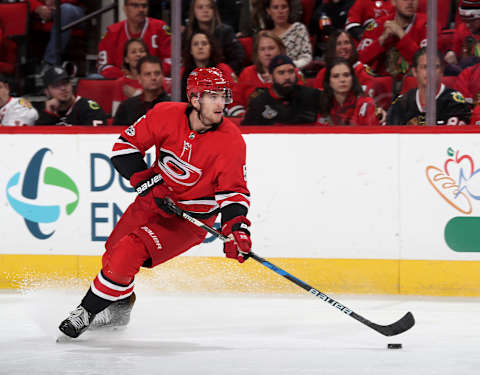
63, 338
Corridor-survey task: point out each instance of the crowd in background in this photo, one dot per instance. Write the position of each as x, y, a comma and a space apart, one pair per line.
322, 62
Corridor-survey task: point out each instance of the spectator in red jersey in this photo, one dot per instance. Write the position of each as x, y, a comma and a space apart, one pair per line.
344, 98
466, 36
128, 85
294, 35
362, 12
341, 44
201, 51
155, 33
389, 43
70, 10
204, 16
266, 46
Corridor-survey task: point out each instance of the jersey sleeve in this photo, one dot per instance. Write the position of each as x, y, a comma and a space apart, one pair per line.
360, 12
93, 114
369, 49
231, 192
396, 114
458, 111
106, 53
366, 113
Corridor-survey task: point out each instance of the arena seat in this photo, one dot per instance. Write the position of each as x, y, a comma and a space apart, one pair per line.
383, 89
15, 19
308, 7
100, 90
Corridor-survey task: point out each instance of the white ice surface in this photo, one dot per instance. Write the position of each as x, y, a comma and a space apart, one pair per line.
242, 334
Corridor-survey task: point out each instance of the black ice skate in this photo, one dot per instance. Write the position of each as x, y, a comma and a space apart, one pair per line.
116, 315
77, 322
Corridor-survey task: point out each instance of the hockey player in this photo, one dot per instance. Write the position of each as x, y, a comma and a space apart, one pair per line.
14, 111
409, 109
200, 166
155, 33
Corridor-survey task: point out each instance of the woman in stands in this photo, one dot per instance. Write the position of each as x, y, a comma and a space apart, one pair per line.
204, 16
295, 36
344, 102
128, 85
201, 51
266, 46
341, 44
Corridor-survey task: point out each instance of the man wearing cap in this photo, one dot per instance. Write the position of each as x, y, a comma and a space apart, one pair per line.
285, 102
63, 107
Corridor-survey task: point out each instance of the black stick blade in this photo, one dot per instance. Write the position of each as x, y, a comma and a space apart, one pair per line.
400, 326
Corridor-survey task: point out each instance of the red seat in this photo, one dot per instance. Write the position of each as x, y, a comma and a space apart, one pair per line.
409, 82
449, 81
15, 17
247, 44
100, 90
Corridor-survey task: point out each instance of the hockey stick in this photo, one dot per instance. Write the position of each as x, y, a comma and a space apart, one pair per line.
400, 326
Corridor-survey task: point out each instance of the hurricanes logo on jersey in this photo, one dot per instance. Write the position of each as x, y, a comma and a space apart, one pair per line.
177, 169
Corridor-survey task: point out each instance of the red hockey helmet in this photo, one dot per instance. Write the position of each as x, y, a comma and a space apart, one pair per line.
469, 9
212, 80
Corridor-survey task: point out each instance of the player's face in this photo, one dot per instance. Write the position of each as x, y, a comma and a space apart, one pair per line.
284, 75
211, 108
4, 93
62, 91
267, 50
135, 52
200, 48
421, 72
341, 79
343, 46
406, 8
279, 11
203, 10
151, 77
136, 10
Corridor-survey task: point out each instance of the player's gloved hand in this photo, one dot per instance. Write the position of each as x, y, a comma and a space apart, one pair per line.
240, 244
149, 185
144, 181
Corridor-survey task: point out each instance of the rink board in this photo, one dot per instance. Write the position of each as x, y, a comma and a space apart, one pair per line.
388, 210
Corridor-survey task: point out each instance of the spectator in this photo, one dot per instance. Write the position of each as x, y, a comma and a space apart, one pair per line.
341, 44
266, 46
468, 83
409, 109
362, 12
63, 107
389, 43
70, 10
253, 17
294, 35
128, 85
344, 98
14, 111
285, 102
151, 80
204, 16
200, 51
467, 35
155, 33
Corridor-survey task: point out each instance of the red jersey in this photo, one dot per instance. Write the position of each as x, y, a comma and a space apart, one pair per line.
250, 80
363, 11
459, 37
205, 170
375, 55
363, 72
359, 111
468, 84
156, 35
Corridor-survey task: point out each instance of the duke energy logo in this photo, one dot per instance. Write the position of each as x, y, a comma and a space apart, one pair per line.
27, 200
458, 183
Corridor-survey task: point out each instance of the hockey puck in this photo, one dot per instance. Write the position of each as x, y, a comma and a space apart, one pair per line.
394, 346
